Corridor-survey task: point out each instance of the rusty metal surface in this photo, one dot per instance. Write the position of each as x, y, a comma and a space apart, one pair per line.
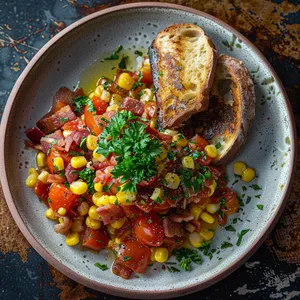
274, 27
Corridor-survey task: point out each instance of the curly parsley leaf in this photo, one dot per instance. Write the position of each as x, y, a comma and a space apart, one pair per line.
81, 101
88, 175
186, 256
134, 148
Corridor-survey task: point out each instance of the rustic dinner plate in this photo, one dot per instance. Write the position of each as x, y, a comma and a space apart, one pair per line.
270, 148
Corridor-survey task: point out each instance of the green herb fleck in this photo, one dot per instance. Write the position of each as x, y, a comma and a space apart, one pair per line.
122, 64
225, 245
218, 146
101, 267
63, 120
115, 55
230, 228
88, 175
138, 82
240, 236
255, 187
126, 258
260, 206
81, 101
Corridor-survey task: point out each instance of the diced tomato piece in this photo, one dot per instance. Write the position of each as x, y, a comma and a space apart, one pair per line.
132, 211
120, 270
100, 105
149, 230
204, 160
147, 74
151, 110
95, 239
133, 105
56, 153
197, 142
161, 207
74, 125
42, 191
61, 196
222, 219
91, 122
144, 205
133, 255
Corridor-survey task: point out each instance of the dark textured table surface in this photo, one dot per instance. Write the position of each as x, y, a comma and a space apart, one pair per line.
273, 272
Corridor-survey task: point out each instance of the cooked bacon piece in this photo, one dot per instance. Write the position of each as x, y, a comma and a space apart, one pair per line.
71, 173
110, 213
197, 224
30, 144
34, 134
120, 270
79, 135
55, 178
64, 227
189, 227
172, 229
133, 105
56, 138
172, 243
64, 95
52, 122
185, 216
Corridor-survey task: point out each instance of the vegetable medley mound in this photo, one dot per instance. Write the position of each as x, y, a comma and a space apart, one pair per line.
112, 179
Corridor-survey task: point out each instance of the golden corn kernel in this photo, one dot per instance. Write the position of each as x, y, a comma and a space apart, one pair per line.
207, 234
112, 199
173, 180
91, 142
163, 154
180, 140
58, 163
125, 81
153, 123
32, 171
31, 180
126, 197
62, 211
114, 107
211, 151
248, 175
72, 239
188, 162
83, 208
43, 176
212, 188
91, 95
98, 91
61, 220
170, 132
161, 254
50, 214
91, 223
116, 99
212, 208
195, 239
206, 217
78, 187
239, 167
98, 156
118, 224
146, 95
100, 200
195, 211
98, 187
41, 160
78, 162
106, 96
93, 213
157, 194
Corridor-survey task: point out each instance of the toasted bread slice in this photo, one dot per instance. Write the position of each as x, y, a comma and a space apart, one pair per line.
231, 111
183, 61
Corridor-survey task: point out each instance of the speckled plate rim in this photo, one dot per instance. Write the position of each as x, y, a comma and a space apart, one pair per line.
122, 291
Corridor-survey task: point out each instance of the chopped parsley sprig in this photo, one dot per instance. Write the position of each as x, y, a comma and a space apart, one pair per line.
81, 101
134, 148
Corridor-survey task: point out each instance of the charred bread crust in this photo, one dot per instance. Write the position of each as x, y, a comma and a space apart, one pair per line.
178, 98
